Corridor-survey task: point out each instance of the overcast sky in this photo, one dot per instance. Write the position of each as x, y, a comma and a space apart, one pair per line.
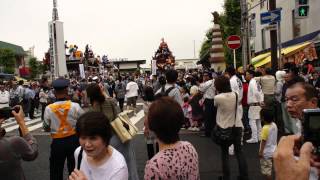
119, 28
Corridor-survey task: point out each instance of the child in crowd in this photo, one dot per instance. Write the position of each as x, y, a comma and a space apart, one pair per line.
187, 112
197, 110
268, 142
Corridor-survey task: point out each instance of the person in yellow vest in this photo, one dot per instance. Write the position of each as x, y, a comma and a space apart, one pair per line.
60, 118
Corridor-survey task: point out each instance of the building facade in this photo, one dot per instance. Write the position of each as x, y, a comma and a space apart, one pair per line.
291, 26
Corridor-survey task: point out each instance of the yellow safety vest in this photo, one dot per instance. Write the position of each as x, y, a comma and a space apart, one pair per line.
65, 129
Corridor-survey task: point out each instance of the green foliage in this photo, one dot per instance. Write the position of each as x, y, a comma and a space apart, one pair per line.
34, 67
7, 60
230, 23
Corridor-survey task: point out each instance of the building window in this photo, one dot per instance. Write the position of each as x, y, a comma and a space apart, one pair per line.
296, 30
263, 38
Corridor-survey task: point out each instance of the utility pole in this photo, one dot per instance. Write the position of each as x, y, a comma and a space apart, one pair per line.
273, 40
244, 32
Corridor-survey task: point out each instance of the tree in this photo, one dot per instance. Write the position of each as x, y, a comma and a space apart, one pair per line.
7, 60
34, 67
230, 23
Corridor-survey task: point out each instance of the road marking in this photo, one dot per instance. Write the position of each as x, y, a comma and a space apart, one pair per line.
138, 104
9, 129
135, 119
9, 123
37, 126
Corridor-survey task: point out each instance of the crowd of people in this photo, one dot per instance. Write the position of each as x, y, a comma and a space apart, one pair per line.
232, 108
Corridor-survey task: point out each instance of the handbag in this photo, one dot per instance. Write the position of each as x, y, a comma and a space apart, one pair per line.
225, 135
123, 127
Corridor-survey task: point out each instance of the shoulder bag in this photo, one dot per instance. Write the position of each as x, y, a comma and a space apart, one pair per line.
123, 127
225, 135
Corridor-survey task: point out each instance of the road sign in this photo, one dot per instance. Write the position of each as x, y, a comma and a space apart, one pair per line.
233, 42
270, 16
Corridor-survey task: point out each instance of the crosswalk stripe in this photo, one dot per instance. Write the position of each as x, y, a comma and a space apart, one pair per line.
135, 119
37, 126
9, 123
138, 104
11, 128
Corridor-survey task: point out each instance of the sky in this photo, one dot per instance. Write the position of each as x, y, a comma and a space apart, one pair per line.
118, 28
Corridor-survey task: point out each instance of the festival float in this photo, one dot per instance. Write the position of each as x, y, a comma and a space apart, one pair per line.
164, 58
217, 59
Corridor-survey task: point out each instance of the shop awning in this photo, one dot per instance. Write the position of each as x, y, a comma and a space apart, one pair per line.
285, 51
259, 57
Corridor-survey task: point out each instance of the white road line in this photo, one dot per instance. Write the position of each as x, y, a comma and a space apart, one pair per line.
37, 126
138, 104
9, 123
135, 119
11, 128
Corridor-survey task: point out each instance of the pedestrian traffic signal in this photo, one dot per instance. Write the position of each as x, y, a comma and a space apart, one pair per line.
302, 8
303, 11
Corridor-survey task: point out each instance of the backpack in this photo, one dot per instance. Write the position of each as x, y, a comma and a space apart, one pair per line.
163, 93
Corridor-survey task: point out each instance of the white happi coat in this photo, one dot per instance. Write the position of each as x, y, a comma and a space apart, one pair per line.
255, 95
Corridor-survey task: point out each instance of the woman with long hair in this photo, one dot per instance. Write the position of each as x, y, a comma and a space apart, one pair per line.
226, 103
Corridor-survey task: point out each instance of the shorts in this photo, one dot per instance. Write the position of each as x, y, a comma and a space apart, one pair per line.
131, 101
266, 167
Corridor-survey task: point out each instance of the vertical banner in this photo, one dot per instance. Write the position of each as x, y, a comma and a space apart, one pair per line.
154, 67
81, 69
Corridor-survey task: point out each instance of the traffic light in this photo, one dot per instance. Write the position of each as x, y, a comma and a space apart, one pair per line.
302, 9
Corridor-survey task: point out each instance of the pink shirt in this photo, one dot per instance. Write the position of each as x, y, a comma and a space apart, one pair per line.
179, 162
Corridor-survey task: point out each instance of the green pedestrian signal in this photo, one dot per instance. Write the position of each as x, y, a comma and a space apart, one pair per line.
303, 11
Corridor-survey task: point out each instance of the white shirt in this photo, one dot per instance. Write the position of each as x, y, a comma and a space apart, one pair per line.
226, 107
208, 89
115, 168
132, 89
271, 131
236, 86
4, 99
20, 90
255, 94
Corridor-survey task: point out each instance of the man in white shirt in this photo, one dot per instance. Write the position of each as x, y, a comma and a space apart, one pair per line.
4, 96
255, 100
132, 89
210, 111
236, 86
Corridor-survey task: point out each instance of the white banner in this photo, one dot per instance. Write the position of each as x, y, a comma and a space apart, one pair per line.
154, 67
81, 69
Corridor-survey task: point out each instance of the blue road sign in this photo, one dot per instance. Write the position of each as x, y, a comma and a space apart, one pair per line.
270, 17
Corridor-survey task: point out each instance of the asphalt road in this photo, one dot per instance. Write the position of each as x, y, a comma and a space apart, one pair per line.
209, 158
